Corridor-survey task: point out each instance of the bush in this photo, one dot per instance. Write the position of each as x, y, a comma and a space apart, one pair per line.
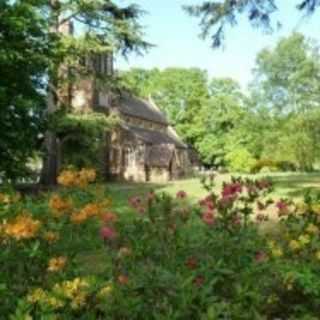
268, 165
168, 259
240, 160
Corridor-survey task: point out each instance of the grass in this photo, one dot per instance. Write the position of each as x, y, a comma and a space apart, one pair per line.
292, 185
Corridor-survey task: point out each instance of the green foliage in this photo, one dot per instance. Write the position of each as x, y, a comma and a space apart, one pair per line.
217, 16
240, 160
24, 52
165, 259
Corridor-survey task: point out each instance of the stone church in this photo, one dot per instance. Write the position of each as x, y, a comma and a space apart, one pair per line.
143, 147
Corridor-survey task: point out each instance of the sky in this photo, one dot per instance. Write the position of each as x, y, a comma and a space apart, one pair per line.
177, 43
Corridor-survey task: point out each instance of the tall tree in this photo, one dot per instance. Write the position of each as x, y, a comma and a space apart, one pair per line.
25, 50
216, 16
286, 84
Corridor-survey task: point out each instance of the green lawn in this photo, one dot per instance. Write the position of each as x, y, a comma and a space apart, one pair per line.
285, 185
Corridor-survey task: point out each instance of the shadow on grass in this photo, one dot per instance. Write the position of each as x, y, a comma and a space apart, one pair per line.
296, 185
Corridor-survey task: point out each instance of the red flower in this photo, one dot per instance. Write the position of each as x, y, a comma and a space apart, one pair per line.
108, 233
109, 218
199, 281
261, 256
208, 218
181, 195
192, 263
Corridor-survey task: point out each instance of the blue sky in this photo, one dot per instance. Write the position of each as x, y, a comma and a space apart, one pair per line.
176, 36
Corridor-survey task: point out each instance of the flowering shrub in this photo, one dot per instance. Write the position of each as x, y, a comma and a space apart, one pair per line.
170, 259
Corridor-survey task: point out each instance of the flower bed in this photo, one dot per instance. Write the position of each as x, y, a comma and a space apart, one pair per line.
170, 259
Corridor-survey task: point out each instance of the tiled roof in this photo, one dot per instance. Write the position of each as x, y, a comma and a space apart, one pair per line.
136, 107
154, 137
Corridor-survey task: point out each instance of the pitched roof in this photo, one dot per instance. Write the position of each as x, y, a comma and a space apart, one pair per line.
159, 155
136, 107
154, 137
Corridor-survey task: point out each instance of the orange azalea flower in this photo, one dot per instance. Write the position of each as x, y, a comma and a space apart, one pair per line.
72, 178
92, 210
122, 279
22, 227
88, 175
57, 264
67, 178
51, 237
79, 217
59, 206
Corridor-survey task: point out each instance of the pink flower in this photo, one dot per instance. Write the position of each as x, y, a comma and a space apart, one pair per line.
236, 221
135, 202
231, 190
108, 233
282, 208
207, 202
208, 218
181, 195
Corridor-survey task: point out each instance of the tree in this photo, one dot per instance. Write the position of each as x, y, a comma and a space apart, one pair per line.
25, 51
287, 86
217, 121
216, 16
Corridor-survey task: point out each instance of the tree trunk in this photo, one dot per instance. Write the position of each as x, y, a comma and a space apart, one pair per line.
50, 163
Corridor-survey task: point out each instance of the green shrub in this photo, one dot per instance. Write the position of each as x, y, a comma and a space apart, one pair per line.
168, 259
268, 165
240, 160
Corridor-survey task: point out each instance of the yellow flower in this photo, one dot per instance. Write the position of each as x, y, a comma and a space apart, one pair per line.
105, 292
51, 237
22, 227
70, 289
294, 245
78, 301
57, 264
317, 255
277, 252
4, 198
313, 229
54, 302
316, 208
304, 239
37, 295
302, 208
